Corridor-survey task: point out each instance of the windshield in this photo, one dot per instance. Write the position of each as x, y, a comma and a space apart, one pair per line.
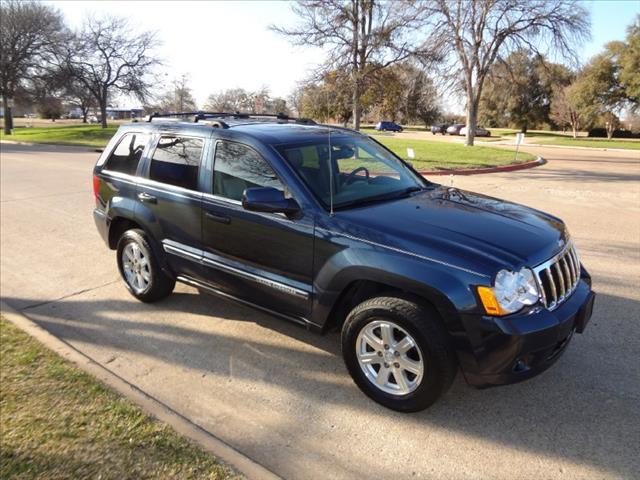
362, 170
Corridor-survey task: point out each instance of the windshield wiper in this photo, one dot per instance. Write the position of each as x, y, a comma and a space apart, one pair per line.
379, 198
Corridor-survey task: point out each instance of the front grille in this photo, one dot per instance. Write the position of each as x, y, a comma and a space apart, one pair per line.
559, 277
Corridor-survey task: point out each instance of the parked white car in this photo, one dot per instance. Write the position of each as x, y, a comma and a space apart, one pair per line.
480, 132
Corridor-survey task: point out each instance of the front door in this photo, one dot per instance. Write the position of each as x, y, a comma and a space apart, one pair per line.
262, 258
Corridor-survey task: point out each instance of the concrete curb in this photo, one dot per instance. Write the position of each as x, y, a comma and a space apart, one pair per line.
476, 171
578, 147
30, 144
182, 425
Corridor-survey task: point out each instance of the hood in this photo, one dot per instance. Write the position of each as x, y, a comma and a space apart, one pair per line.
463, 228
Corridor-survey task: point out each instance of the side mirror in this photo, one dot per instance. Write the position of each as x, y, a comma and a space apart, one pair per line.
268, 199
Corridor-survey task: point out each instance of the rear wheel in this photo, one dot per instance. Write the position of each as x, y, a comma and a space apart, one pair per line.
398, 353
139, 268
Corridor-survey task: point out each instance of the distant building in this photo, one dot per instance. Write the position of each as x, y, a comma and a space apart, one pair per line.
114, 113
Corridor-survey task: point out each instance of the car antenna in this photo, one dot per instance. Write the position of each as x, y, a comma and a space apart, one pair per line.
330, 177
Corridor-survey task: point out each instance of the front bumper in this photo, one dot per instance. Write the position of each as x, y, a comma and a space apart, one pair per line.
517, 347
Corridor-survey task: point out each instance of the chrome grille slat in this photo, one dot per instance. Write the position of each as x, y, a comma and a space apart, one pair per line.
554, 290
558, 277
567, 274
572, 268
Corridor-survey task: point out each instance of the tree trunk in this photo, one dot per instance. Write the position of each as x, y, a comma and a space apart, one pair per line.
575, 130
85, 114
472, 119
103, 113
8, 119
357, 109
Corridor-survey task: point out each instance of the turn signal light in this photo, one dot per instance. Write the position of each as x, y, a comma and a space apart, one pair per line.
489, 301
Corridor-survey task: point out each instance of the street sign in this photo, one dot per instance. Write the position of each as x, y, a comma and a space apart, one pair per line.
519, 138
411, 153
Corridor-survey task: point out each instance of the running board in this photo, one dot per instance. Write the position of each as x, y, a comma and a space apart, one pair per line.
197, 284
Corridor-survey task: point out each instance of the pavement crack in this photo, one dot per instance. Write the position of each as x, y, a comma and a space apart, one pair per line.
64, 297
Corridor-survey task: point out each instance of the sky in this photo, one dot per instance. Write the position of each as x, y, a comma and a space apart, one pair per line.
227, 44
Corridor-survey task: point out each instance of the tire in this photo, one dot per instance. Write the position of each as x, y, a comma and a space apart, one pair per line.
413, 391
139, 268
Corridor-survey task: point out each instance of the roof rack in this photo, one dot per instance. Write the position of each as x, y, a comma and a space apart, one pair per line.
214, 118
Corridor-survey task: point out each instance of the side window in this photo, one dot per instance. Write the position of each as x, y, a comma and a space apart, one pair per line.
127, 154
238, 167
176, 161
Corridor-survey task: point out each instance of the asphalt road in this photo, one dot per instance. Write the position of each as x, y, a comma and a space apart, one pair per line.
281, 394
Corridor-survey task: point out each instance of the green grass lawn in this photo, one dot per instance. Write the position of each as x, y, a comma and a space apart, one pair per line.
58, 422
431, 155
552, 138
584, 142
83, 135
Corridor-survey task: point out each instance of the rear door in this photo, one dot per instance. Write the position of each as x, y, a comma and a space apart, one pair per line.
169, 199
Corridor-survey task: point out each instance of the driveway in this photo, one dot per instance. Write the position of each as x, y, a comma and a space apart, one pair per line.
281, 394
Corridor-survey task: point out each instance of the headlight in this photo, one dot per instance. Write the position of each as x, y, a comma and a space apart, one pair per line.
511, 291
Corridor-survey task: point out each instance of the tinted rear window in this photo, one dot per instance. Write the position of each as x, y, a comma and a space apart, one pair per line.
176, 161
127, 154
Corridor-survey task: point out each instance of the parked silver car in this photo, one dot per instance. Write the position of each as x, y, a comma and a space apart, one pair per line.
480, 132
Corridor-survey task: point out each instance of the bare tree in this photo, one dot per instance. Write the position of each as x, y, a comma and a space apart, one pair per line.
178, 97
472, 35
110, 57
231, 100
79, 96
27, 31
362, 37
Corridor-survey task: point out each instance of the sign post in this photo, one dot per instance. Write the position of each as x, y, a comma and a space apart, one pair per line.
519, 141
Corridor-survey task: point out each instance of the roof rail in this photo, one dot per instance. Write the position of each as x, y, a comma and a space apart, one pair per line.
210, 116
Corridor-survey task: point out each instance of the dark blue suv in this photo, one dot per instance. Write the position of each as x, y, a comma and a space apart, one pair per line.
327, 228
387, 127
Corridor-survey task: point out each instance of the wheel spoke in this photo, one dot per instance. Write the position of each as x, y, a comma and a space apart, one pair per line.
128, 253
386, 333
403, 385
372, 340
383, 376
405, 344
146, 275
370, 357
410, 365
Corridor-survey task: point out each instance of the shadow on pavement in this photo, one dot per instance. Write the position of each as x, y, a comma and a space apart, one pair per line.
584, 409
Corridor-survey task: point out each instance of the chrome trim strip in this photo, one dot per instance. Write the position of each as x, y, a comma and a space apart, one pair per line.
195, 283
256, 278
553, 259
154, 185
182, 253
405, 252
200, 258
218, 198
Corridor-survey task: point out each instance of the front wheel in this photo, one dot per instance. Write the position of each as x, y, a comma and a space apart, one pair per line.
398, 353
139, 268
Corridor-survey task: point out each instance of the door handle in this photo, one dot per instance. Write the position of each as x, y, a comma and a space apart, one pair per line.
145, 197
218, 218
